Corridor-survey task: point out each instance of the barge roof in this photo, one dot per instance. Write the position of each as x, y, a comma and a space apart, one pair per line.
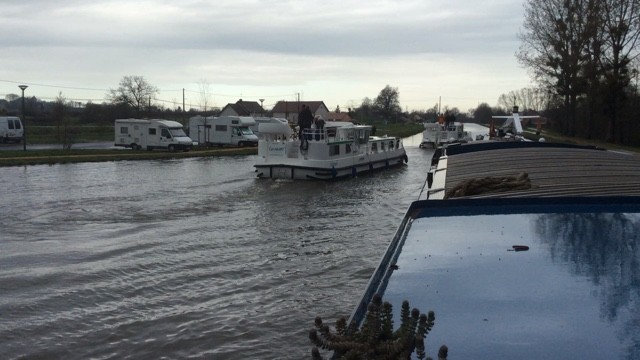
550, 271
552, 170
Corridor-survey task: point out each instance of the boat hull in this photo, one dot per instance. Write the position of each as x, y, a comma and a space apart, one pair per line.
328, 172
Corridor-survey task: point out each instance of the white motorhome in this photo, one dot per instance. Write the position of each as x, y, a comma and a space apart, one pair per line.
151, 134
266, 120
11, 129
223, 130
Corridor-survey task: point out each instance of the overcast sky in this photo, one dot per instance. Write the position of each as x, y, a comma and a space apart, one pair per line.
336, 51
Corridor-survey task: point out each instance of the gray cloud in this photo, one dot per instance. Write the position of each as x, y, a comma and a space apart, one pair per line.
269, 44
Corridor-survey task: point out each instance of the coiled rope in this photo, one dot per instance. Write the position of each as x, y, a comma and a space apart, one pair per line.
489, 184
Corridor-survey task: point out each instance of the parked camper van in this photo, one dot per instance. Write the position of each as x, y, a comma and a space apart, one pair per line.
223, 130
266, 120
11, 129
151, 134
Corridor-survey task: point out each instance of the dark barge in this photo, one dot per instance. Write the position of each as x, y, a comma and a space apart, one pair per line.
523, 250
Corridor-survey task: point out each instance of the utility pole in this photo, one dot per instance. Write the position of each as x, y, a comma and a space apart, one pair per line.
24, 120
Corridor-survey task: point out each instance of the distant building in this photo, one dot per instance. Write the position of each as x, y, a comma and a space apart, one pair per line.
289, 109
243, 108
339, 116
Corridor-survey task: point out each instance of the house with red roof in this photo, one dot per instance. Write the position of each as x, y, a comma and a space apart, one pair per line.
339, 116
290, 109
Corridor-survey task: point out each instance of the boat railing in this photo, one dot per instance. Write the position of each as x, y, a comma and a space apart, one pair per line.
327, 135
333, 135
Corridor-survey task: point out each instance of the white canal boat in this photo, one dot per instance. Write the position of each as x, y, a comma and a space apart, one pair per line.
437, 134
341, 149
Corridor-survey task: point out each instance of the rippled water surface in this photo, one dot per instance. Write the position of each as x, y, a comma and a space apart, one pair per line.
187, 258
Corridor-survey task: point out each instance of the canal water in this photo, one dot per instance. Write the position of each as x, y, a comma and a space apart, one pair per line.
187, 258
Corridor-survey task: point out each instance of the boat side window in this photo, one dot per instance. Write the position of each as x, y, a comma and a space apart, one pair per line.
334, 150
374, 147
348, 149
391, 145
364, 136
382, 146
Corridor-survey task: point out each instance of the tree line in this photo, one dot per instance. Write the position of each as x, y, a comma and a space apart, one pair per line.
583, 54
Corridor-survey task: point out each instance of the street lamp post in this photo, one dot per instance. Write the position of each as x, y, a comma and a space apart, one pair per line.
24, 120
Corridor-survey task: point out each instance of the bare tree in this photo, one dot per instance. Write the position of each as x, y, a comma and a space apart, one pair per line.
66, 132
556, 33
388, 102
507, 101
205, 102
133, 91
528, 98
12, 97
622, 31
205, 96
482, 114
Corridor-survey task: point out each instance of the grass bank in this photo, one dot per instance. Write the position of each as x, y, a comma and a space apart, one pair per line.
550, 136
399, 130
78, 134
50, 157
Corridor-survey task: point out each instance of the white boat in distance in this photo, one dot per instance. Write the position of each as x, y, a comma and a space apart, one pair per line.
340, 150
437, 134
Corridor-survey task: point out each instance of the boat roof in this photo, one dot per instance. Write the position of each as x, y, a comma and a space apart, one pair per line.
552, 169
546, 272
524, 278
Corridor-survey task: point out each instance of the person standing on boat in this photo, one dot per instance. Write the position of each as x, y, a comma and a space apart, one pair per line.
305, 119
319, 122
449, 120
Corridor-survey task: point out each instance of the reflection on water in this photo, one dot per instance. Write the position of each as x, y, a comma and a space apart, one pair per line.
605, 249
186, 258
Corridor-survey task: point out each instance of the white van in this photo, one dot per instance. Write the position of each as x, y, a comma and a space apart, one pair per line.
11, 129
223, 130
151, 134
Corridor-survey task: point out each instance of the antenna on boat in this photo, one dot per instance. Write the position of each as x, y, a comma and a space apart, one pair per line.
516, 119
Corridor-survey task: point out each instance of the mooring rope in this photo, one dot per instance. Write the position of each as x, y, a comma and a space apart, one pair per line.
489, 184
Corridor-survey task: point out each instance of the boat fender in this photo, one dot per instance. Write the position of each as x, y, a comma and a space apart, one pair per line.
405, 158
354, 172
334, 172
